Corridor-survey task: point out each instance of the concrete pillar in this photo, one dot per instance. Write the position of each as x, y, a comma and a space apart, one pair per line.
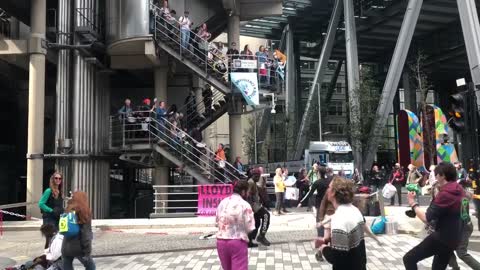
161, 83
198, 85
36, 106
233, 33
161, 172
160, 177
235, 117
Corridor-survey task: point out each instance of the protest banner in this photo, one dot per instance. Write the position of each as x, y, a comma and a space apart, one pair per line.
210, 196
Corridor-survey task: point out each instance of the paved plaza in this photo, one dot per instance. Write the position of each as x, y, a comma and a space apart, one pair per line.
177, 244
295, 255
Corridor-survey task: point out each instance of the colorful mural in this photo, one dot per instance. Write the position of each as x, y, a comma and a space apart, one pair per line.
416, 142
445, 151
410, 140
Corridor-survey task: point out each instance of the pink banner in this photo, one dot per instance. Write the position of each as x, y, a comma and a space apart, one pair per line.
210, 196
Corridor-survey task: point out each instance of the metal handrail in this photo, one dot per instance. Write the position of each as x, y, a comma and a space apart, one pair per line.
207, 150
164, 29
93, 22
208, 155
186, 151
200, 107
165, 135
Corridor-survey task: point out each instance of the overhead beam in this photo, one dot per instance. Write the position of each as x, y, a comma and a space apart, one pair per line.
319, 73
393, 77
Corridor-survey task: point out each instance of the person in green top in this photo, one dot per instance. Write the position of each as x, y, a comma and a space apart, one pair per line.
51, 203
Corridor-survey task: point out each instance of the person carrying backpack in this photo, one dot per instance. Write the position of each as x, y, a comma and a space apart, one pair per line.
51, 202
80, 245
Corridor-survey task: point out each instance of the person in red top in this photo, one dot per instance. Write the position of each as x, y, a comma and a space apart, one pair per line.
397, 179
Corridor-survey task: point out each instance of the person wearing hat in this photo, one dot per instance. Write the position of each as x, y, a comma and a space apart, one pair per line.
185, 24
143, 114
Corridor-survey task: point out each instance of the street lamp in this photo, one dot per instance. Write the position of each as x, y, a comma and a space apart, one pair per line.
273, 111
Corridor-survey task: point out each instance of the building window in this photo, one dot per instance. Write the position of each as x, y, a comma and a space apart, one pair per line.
335, 129
335, 108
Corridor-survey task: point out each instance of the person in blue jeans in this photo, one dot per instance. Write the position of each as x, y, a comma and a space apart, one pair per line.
185, 24
79, 246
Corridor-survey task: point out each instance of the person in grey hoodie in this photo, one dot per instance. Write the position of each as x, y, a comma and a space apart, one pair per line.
79, 246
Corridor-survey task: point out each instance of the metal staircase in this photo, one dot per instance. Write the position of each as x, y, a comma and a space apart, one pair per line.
206, 65
204, 112
143, 139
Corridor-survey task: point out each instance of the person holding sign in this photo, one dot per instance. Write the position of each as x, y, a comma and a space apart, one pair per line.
235, 221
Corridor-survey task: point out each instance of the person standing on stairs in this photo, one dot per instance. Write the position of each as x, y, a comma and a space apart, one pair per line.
207, 100
185, 24
201, 42
191, 105
220, 158
232, 54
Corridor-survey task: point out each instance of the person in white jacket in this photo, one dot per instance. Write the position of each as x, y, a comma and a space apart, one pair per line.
53, 248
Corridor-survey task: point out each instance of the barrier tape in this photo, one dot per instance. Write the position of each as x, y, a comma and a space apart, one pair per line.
18, 215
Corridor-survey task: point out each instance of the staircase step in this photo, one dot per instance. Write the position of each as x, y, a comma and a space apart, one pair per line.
216, 107
222, 103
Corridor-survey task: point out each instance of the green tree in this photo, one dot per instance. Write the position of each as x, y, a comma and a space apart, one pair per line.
421, 83
369, 97
249, 140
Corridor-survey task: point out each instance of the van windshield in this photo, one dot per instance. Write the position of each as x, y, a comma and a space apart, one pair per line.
341, 157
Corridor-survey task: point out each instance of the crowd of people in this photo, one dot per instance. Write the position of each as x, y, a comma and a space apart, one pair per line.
271, 64
341, 225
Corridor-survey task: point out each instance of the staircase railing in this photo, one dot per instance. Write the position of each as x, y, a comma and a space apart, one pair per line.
144, 127
195, 111
210, 59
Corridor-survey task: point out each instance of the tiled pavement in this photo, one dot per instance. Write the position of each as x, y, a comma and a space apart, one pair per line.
296, 255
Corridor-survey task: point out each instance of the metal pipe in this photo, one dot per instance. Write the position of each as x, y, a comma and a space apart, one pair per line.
36, 104
319, 73
393, 77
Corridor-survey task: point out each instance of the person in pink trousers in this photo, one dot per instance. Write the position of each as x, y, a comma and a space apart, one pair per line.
234, 221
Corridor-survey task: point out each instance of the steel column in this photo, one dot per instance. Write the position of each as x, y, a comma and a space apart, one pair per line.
393, 77
319, 73
353, 77
290, 76
90, 113
471, 34
36, 106
64, 68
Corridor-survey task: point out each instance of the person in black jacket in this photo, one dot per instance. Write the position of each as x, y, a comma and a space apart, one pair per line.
376, 179
79, 246
447, 214
320, 186
51, 202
